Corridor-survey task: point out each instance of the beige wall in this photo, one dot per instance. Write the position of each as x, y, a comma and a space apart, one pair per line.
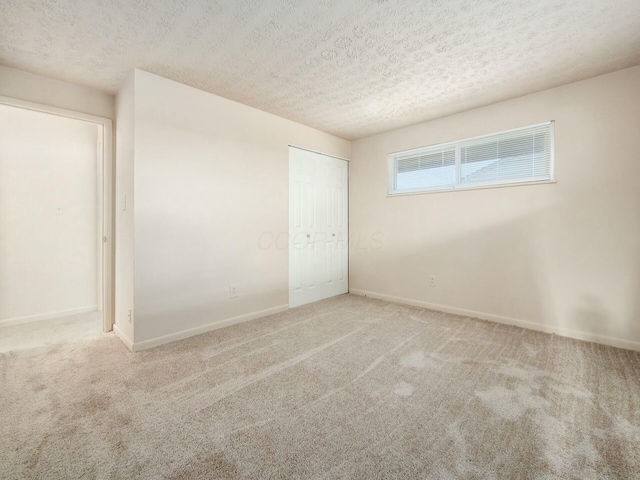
211, 176
56, 93
561, 257
123, 210
48, 215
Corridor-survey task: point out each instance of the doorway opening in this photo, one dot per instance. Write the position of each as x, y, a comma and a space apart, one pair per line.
318, 226
56, 258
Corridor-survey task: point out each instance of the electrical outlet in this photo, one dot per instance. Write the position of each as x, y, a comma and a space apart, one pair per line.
432, 280
233, 291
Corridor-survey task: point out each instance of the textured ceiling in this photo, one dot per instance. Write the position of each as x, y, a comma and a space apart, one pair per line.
349, 67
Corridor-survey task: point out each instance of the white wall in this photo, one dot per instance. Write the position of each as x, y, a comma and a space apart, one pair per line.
123, 210
563, 256
27, 86
48, 215
211, 176
56, 93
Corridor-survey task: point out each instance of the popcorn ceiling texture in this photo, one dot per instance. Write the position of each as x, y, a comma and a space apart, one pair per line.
352, 68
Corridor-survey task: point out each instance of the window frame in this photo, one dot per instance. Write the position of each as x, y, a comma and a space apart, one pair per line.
457, 144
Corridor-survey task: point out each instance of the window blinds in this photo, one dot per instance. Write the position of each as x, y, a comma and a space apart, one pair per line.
514, 156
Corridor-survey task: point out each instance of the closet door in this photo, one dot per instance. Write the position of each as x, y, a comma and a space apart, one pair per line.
318, 227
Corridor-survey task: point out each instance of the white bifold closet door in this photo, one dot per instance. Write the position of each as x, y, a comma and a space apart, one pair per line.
318, 226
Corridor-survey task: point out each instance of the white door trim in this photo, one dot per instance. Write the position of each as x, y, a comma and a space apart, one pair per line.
319, 153
105, 200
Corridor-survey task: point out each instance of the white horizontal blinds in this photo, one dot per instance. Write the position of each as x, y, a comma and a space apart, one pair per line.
425, 169
515, 156
519, 156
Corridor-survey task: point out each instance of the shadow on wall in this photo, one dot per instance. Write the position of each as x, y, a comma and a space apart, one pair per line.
179, 288
553, 265
604, 291
634, 309
591, 315
490, 268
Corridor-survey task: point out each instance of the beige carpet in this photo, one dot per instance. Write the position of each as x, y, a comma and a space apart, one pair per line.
345, 388
51, 332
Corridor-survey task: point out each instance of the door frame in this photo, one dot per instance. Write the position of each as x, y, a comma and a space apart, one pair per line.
104, 237
348, 213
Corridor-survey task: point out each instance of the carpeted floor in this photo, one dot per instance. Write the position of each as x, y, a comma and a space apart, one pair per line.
82, 327
345, 388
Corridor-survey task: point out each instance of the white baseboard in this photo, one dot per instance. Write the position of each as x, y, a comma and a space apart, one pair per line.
121, 335
181, 335
47, 316
564, 332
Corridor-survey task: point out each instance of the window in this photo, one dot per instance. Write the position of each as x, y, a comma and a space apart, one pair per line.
522, 155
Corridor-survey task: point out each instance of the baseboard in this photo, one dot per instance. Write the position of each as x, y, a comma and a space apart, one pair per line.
564, 332
121, 335
181, 335
47, 316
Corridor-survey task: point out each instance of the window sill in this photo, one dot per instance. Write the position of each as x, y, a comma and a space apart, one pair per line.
479, 187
